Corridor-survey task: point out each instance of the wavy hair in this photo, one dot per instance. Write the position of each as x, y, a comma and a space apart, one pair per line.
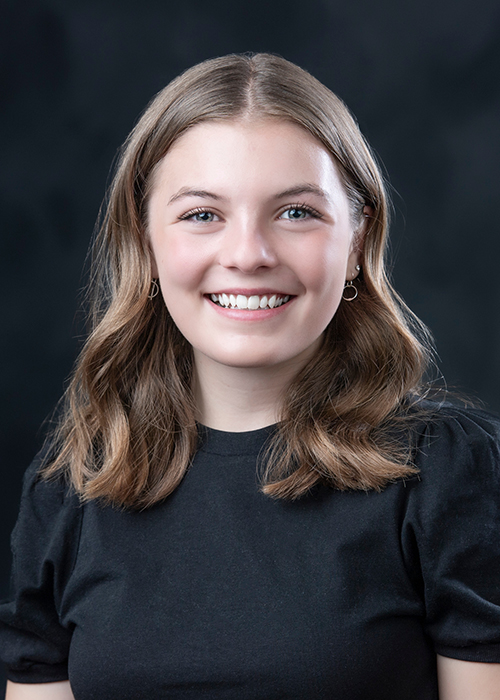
128, 431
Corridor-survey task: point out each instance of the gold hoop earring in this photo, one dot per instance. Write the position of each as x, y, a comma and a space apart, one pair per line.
352, 291
154, 289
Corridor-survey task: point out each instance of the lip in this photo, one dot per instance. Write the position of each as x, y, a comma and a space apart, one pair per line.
261, 291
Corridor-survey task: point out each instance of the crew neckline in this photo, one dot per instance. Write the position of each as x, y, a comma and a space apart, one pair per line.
223, 442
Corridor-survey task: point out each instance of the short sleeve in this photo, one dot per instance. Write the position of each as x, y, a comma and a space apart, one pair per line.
33, 642
454, 518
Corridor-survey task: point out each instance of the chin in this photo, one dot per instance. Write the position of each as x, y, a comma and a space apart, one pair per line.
256, 360
250, 362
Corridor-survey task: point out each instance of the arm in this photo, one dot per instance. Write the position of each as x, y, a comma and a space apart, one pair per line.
39, 691
463, 680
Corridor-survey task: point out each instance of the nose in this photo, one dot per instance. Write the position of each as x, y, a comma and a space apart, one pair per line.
247, 246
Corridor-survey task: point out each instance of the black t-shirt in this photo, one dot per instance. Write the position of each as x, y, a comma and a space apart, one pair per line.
222, 592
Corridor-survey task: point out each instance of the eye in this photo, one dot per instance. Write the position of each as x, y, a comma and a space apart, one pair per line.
298, 212
202, 216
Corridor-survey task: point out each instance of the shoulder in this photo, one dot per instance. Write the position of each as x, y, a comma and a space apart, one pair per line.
449, 434
45, 543
469, 420
49, 516
47, 494
457, 454
450, 529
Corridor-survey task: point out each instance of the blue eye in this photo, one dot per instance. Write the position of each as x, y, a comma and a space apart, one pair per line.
205, 216
299, 212
295, 213
201, 216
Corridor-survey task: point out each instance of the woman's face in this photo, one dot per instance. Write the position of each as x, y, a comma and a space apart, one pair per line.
252, 241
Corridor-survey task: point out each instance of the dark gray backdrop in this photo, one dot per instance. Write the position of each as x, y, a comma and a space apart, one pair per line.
422, 77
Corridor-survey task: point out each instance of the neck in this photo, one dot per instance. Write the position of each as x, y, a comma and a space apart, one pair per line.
237, 399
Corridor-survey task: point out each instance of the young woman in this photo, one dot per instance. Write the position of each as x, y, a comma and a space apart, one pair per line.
248, 495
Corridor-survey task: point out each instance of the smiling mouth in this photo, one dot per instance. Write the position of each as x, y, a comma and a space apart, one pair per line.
251, 303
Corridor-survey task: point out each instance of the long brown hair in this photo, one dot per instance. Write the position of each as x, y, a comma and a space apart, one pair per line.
128, 430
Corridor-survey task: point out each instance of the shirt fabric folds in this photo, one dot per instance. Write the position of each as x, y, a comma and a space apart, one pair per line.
222, 592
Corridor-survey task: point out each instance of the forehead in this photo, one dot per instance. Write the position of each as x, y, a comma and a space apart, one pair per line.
247, 129
254, 151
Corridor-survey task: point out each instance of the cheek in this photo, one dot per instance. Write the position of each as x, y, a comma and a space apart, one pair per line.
180, 264
323, 267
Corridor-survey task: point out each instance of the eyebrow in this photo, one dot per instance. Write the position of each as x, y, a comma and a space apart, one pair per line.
188, 192
305, 188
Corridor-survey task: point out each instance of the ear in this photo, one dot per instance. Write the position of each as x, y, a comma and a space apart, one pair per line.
154, 266
358, 241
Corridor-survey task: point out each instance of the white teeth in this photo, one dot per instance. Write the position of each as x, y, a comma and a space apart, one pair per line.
253, 302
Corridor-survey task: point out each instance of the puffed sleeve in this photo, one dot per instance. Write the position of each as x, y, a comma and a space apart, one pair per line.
453, 521
34, 644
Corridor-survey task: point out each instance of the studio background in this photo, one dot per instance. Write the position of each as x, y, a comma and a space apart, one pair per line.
423, 79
